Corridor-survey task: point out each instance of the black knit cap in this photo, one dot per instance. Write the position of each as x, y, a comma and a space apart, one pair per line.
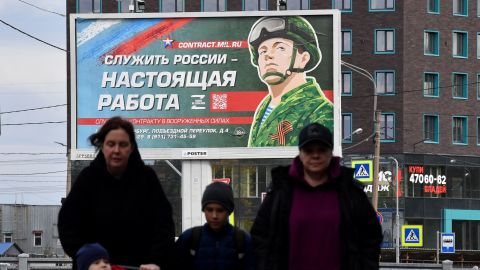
221, 193
315, 132
89, 253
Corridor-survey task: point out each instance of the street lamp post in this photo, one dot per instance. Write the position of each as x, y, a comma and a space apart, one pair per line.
376, 121
355, 132
397, 216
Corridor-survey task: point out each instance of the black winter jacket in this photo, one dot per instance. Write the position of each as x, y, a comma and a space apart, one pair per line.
361, 233
215, 251
131, 216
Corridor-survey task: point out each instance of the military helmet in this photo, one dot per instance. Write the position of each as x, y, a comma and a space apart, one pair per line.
294, 28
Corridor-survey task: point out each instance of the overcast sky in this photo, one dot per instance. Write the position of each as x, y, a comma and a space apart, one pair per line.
32, 75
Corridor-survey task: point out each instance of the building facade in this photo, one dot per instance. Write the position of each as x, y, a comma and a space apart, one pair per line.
33, 228
422, 56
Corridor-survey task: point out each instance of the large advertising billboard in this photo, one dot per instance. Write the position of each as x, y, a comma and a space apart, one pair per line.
206, 85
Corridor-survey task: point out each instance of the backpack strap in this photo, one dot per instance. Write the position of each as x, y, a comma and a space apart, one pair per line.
239, 239
195, 239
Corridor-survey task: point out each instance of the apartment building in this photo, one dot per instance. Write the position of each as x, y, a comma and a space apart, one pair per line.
413, 61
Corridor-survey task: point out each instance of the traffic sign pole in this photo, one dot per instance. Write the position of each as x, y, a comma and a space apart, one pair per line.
438, 247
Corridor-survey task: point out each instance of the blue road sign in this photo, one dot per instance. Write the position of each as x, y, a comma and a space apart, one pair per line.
448, 242
412, 235
363, 170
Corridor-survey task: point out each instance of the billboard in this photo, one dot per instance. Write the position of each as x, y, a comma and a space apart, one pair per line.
206, 85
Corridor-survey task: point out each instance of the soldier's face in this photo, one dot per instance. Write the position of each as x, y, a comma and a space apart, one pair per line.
274, 57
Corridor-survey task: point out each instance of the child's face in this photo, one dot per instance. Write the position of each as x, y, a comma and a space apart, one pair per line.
100, 264
216, 216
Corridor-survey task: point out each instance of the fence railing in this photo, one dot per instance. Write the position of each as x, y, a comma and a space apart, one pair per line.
24, 262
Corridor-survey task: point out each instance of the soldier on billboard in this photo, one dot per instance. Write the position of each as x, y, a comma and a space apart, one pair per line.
284, 49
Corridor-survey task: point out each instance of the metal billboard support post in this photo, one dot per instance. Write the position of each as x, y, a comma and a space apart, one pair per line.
196, 175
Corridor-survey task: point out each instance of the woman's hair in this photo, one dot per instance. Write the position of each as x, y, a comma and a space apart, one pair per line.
113, 123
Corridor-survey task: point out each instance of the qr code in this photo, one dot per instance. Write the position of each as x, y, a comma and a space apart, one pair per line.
219, 101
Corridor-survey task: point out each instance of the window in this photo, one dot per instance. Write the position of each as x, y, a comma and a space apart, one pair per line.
298, 4
385, 81
433, 6
478, 43
478, 86
459, 130
382, 5
89, 6
387, 127
248, 182
460, 7
245, 179
346, 83
478, 130
478, 8
430, 128
384, 41
460, 44
37, 239
343, 5
460, 85
7, 238
431, 84
250, 5
171, 5
346, 127
124, 6
213, 5
346, 41
431, 39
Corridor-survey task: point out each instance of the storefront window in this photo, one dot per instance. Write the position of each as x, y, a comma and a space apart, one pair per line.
425, 181
472, 182
467, 234
249, 180
456, 182
442, 181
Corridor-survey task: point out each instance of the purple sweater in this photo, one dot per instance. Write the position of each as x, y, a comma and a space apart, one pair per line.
314, 222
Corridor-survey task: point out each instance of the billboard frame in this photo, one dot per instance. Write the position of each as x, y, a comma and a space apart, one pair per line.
209, 153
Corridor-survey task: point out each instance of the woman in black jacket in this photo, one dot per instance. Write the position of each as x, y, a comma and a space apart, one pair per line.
315, 215
118, 202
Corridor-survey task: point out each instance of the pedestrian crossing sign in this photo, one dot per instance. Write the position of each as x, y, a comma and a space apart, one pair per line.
412, 235
363, 170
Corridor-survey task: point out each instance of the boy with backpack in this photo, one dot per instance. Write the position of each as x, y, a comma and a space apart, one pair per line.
217, 245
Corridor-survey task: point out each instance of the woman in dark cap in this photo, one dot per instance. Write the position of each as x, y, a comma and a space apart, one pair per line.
316, 215
118, 202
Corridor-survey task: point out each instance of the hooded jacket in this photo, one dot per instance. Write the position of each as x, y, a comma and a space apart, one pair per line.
360, 231
131, 216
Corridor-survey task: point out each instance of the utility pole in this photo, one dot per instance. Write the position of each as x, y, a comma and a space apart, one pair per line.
376, 121
376, 160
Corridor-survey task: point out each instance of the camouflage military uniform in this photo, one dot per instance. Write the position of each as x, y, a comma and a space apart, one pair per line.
299, 107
